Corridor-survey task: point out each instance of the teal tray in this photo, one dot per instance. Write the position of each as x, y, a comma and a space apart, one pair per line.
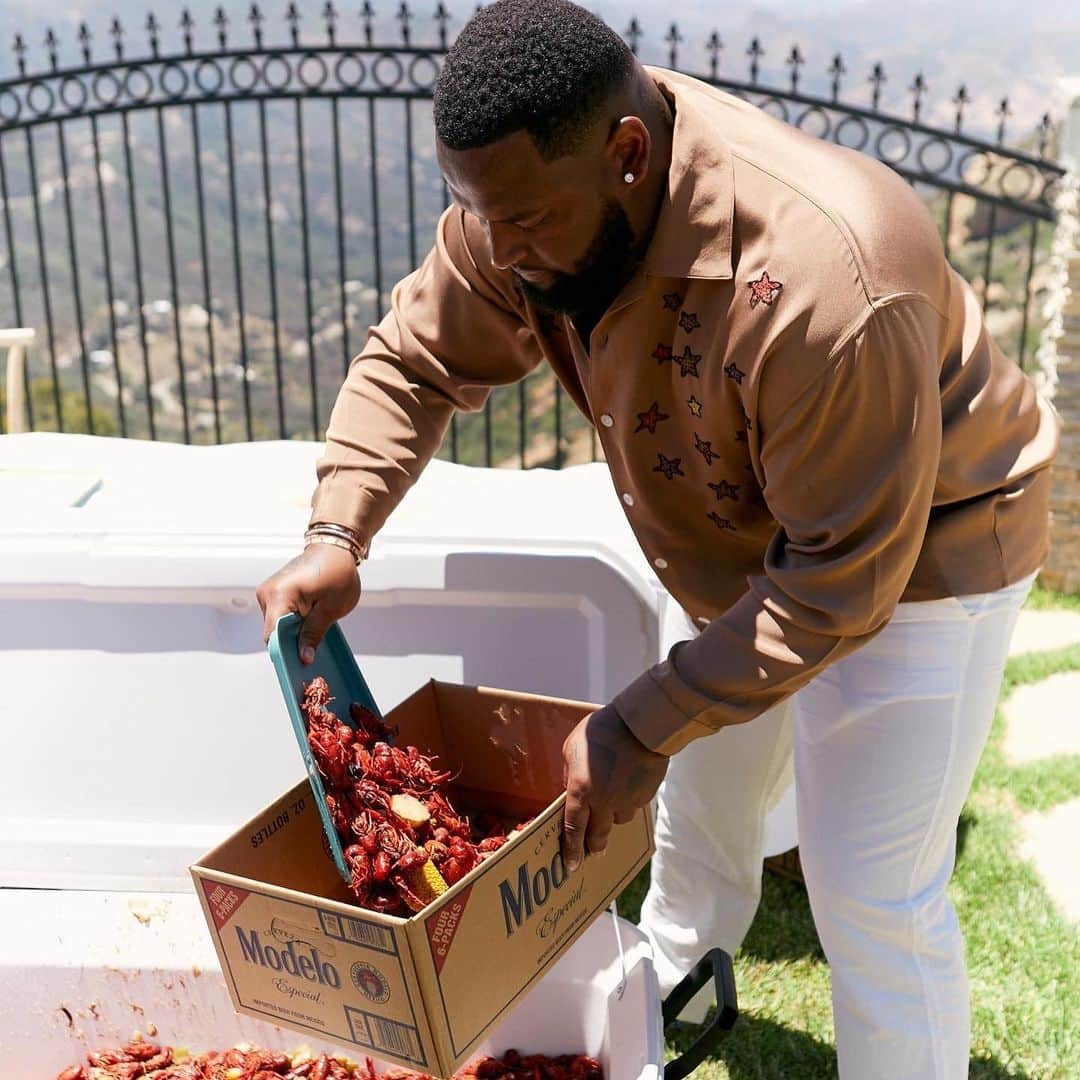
335, 662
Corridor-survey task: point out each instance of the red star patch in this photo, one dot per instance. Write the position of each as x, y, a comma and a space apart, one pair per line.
647, 421
764, 290
662, 353
720, 522
732, 372
724, 490
670, 467
704, 448
688, 362
672, 301
688, 321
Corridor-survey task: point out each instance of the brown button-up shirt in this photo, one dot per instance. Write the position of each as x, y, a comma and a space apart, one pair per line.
804, 416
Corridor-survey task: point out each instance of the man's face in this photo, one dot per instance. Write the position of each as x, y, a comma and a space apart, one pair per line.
556, 225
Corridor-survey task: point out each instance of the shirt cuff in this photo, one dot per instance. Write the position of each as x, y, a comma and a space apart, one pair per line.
341, 504
656, 721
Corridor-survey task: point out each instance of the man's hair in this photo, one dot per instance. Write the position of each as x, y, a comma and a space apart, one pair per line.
542, 66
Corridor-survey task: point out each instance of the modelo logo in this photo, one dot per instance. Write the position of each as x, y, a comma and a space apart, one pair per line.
532, 892
305, 963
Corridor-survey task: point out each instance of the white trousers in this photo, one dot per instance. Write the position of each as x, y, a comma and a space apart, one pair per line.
883, 745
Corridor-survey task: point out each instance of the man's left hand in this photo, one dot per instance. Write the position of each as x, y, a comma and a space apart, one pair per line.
609, 775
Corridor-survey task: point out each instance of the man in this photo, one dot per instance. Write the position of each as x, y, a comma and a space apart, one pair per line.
831, 466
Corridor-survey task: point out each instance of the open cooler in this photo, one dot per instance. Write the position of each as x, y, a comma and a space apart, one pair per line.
86, 970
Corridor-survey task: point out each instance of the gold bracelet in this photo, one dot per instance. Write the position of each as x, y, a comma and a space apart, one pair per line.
329, 528
335, 541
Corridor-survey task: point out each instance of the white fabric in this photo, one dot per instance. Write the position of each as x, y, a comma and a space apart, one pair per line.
884, 746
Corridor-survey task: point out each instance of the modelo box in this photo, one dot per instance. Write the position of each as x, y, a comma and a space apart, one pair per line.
420, 991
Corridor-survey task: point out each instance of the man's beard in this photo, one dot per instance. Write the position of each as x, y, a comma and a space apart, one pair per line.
600, 274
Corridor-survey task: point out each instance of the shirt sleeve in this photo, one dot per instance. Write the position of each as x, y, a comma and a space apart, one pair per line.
850, 465
456, 330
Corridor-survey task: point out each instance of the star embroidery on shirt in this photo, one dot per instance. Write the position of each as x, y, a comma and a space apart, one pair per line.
672, 301
733, 372
688, 362
694, 405
724, 490
720, 522
688, 321
662, 353
670, 467
764, 290
647, 421
704, 448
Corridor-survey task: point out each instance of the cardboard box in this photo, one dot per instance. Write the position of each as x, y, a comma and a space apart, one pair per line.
423, 991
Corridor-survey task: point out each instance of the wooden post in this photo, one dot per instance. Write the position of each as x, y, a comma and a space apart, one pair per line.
16, 341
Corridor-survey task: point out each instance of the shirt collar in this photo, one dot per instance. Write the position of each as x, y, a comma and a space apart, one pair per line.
693, 231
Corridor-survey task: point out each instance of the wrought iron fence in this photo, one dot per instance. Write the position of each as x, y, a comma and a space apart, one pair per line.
203, 228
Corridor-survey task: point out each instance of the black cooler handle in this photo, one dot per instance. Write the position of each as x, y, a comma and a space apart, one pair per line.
718, 964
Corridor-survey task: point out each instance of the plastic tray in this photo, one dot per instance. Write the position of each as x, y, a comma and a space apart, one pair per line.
335, 662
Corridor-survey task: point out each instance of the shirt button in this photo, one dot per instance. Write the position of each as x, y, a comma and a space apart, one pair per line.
660, 564
628, 498
607, 420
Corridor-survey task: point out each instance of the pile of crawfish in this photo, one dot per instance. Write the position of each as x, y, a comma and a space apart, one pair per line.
144, 1059
389, 809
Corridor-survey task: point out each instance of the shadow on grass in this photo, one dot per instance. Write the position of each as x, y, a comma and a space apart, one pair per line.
761, 1049
783, 928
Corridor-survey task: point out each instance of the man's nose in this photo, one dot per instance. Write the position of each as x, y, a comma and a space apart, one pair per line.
506, 245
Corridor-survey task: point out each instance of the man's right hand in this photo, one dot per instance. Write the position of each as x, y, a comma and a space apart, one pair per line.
321, 586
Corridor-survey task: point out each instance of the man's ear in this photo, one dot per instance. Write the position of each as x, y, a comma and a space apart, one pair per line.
628, 152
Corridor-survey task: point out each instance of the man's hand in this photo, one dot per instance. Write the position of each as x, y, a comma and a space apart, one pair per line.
321, 586
609, 775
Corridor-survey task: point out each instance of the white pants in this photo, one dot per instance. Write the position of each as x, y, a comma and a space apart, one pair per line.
883, 745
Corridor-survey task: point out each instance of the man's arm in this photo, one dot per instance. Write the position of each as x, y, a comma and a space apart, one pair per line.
850, 467
456, 330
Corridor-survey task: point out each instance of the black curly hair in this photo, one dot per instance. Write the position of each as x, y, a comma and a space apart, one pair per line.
542, 66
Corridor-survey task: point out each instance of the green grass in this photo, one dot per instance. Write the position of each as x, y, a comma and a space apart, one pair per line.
1023, 957
1042, 599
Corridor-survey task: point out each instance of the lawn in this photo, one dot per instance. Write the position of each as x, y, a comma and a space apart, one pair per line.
1023, 957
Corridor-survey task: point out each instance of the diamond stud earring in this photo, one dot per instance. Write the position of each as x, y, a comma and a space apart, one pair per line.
629, 177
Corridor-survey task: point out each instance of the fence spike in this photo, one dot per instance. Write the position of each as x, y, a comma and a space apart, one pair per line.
836, 70
368, 13
221, 21
715, 46
795, 61
878, 77
330, 16
292, 17
961, 101
187, 24
116, 32
633, 34
404, 16
673, 38
918, 88
755, 52
152, 28
52, 43
442, 17
1004, 112
84, 41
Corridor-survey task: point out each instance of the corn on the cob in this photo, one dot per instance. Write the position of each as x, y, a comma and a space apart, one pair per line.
425, 883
